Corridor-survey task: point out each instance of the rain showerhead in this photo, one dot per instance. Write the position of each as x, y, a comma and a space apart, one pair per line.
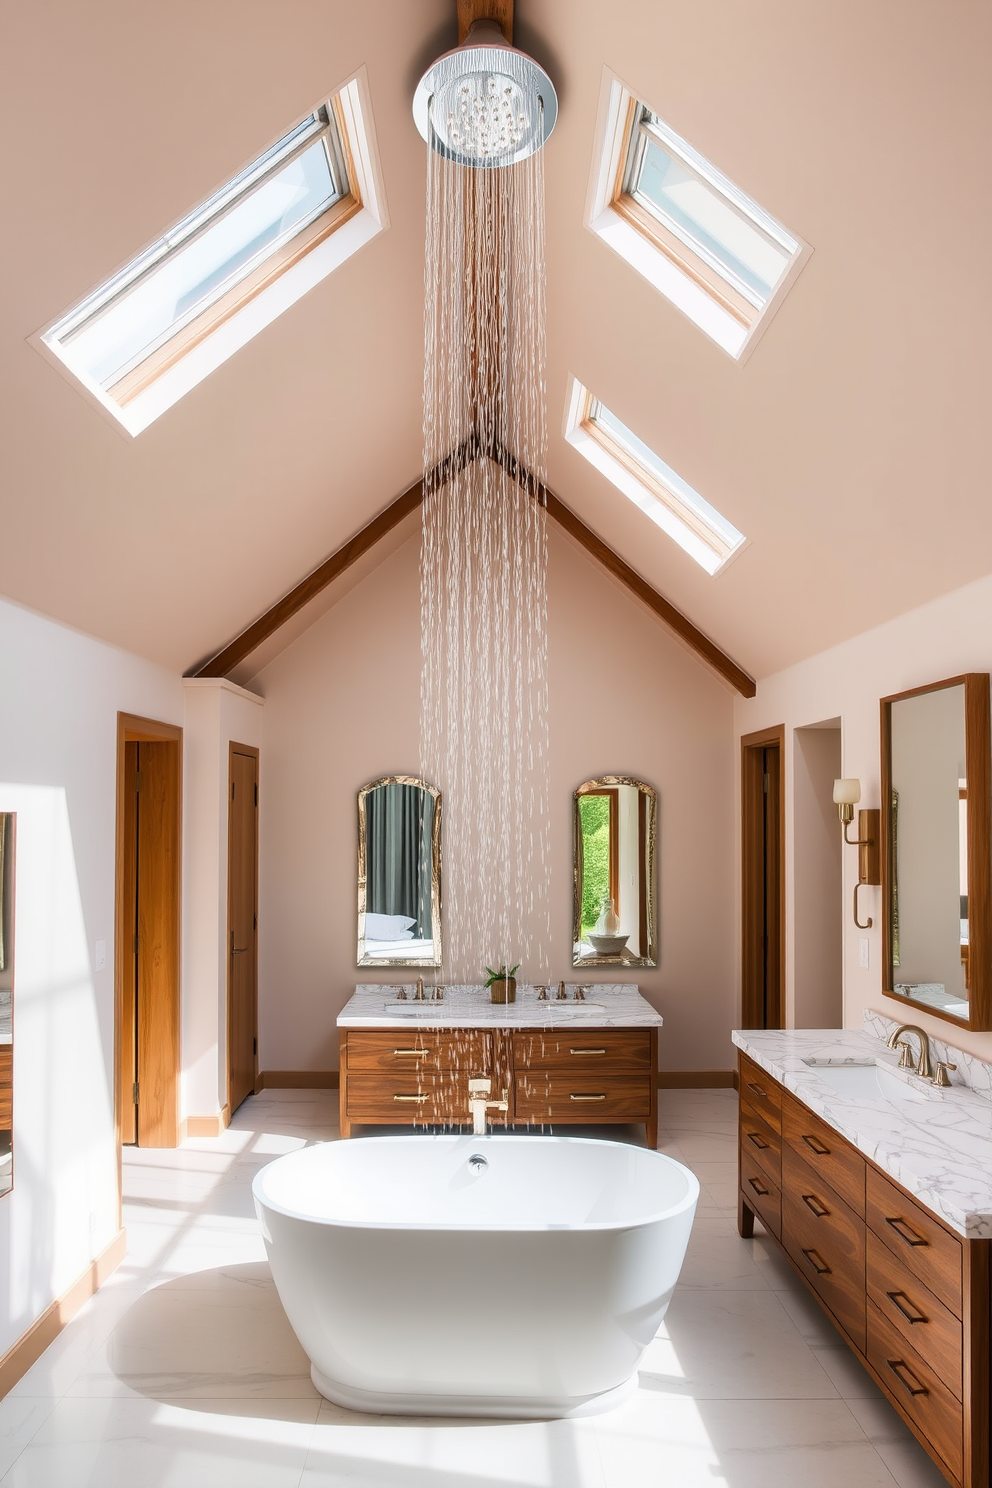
485, 104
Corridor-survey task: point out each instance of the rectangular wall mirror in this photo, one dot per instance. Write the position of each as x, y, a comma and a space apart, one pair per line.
614, 914
7, 825
399, 873
936, 856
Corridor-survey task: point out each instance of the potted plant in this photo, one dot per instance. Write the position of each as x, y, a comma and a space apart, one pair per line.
502, 983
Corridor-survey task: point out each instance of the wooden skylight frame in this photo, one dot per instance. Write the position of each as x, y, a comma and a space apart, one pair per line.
272, 280
694, 281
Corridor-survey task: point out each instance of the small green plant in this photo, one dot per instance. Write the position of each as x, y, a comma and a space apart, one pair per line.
502, 974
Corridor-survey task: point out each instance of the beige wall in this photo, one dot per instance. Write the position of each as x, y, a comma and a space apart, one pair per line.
817, 872
342, 706
942, 639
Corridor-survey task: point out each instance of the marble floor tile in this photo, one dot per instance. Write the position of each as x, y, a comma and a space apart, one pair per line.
21, 1417
743, 1444
896, 1445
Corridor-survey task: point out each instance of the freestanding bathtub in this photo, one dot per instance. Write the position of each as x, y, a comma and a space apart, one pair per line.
486, 1276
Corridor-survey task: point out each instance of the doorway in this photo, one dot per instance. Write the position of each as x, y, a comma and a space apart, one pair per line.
763, 879
147, 930
817, 877
242, 924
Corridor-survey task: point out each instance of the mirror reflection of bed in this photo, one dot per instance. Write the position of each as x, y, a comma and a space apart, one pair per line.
399, 823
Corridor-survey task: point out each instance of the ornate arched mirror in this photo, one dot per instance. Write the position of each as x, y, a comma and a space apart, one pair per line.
399, 873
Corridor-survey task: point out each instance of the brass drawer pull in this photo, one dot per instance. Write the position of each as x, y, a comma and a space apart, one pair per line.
758, 1090
587, 1097
817, 1262
761, 1192
587, 1051
414, 1053
758, 1141
906, 1232
417, 1099
906, 1377
815, 1204
815, 1145
909, 1310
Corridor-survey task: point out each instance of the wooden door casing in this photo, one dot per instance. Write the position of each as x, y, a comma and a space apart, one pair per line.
242, 924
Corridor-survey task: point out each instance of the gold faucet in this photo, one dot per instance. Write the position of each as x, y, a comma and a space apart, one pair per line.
418, 996
896, 1041
479, 1104
561, 995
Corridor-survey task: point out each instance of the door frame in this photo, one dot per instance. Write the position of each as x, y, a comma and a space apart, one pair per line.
131, 728
751, 808
234, 748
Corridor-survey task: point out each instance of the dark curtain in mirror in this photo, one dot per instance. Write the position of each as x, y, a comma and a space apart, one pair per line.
7, 820
399, 826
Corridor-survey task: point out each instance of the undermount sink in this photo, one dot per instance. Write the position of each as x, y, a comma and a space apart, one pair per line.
870, 1082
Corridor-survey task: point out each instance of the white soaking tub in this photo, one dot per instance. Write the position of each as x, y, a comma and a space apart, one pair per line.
485, 1276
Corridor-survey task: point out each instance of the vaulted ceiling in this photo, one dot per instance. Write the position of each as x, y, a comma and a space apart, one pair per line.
851, 448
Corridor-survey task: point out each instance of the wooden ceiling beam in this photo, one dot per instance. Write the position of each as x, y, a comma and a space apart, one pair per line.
470, 11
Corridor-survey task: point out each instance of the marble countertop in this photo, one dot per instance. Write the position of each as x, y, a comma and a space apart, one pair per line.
940, 1148
606, 1005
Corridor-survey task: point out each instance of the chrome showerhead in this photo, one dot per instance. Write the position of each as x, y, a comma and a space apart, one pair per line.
485, 104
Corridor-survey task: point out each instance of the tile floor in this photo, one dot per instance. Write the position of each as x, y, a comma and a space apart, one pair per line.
183, 1371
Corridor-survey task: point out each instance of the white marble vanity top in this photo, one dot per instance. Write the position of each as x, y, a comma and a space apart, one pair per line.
606, 1005
937, 1143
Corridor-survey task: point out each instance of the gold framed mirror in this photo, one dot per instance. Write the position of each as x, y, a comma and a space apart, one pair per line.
399, 872
614, 846
936, 819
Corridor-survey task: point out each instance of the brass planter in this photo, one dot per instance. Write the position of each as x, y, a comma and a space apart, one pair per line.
503, 989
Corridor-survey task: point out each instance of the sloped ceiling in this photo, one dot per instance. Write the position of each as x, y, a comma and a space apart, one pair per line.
851, 448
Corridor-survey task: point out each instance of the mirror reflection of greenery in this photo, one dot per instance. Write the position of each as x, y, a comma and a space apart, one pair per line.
594, 814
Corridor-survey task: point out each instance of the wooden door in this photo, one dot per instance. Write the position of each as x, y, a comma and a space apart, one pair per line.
147, 940
242, 884
762, 880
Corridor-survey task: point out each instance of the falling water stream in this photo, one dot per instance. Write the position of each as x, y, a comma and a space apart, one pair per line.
484, 725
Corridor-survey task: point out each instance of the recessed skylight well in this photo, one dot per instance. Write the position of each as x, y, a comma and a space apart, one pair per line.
192, 298
675, 218
645, 479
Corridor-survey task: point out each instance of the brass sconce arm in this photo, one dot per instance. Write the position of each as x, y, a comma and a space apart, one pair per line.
867, 923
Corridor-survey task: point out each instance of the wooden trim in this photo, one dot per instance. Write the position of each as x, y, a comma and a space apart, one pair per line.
470, 11
978, 757
752, 875
356, 547
266, 625
697, 1079
205, 1126
252, 752
296, 1080
44, 1330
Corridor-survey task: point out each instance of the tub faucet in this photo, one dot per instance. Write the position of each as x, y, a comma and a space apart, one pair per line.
479, 1104
895, 1040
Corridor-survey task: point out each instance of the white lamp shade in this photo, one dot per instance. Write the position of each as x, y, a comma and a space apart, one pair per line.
847, 792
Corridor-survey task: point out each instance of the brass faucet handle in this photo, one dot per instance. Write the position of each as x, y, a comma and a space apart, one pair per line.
561, 995
905, 1054
940, 1068
579, 995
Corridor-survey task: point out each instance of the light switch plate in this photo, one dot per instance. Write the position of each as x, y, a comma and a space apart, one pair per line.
863, 952
101, 955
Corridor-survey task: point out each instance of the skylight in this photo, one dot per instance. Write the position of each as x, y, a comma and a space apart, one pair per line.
197, 294
645, 479
715, 253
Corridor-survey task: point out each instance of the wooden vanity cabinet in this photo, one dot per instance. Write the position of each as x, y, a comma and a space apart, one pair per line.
909, 1295
563, 1076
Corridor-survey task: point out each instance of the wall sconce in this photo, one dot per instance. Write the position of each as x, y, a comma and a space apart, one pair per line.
847, 793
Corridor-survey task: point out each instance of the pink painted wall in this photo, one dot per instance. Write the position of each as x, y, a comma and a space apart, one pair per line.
342, 706
945, 638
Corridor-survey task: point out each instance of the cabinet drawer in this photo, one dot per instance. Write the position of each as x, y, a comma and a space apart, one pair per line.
762, 1194
761, 1143
762, 1092
826, 1152
917, 1238
467, 1050
582, 1096
622, 1049
924, 1399
402, 1098
913, 1310
827, 1242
